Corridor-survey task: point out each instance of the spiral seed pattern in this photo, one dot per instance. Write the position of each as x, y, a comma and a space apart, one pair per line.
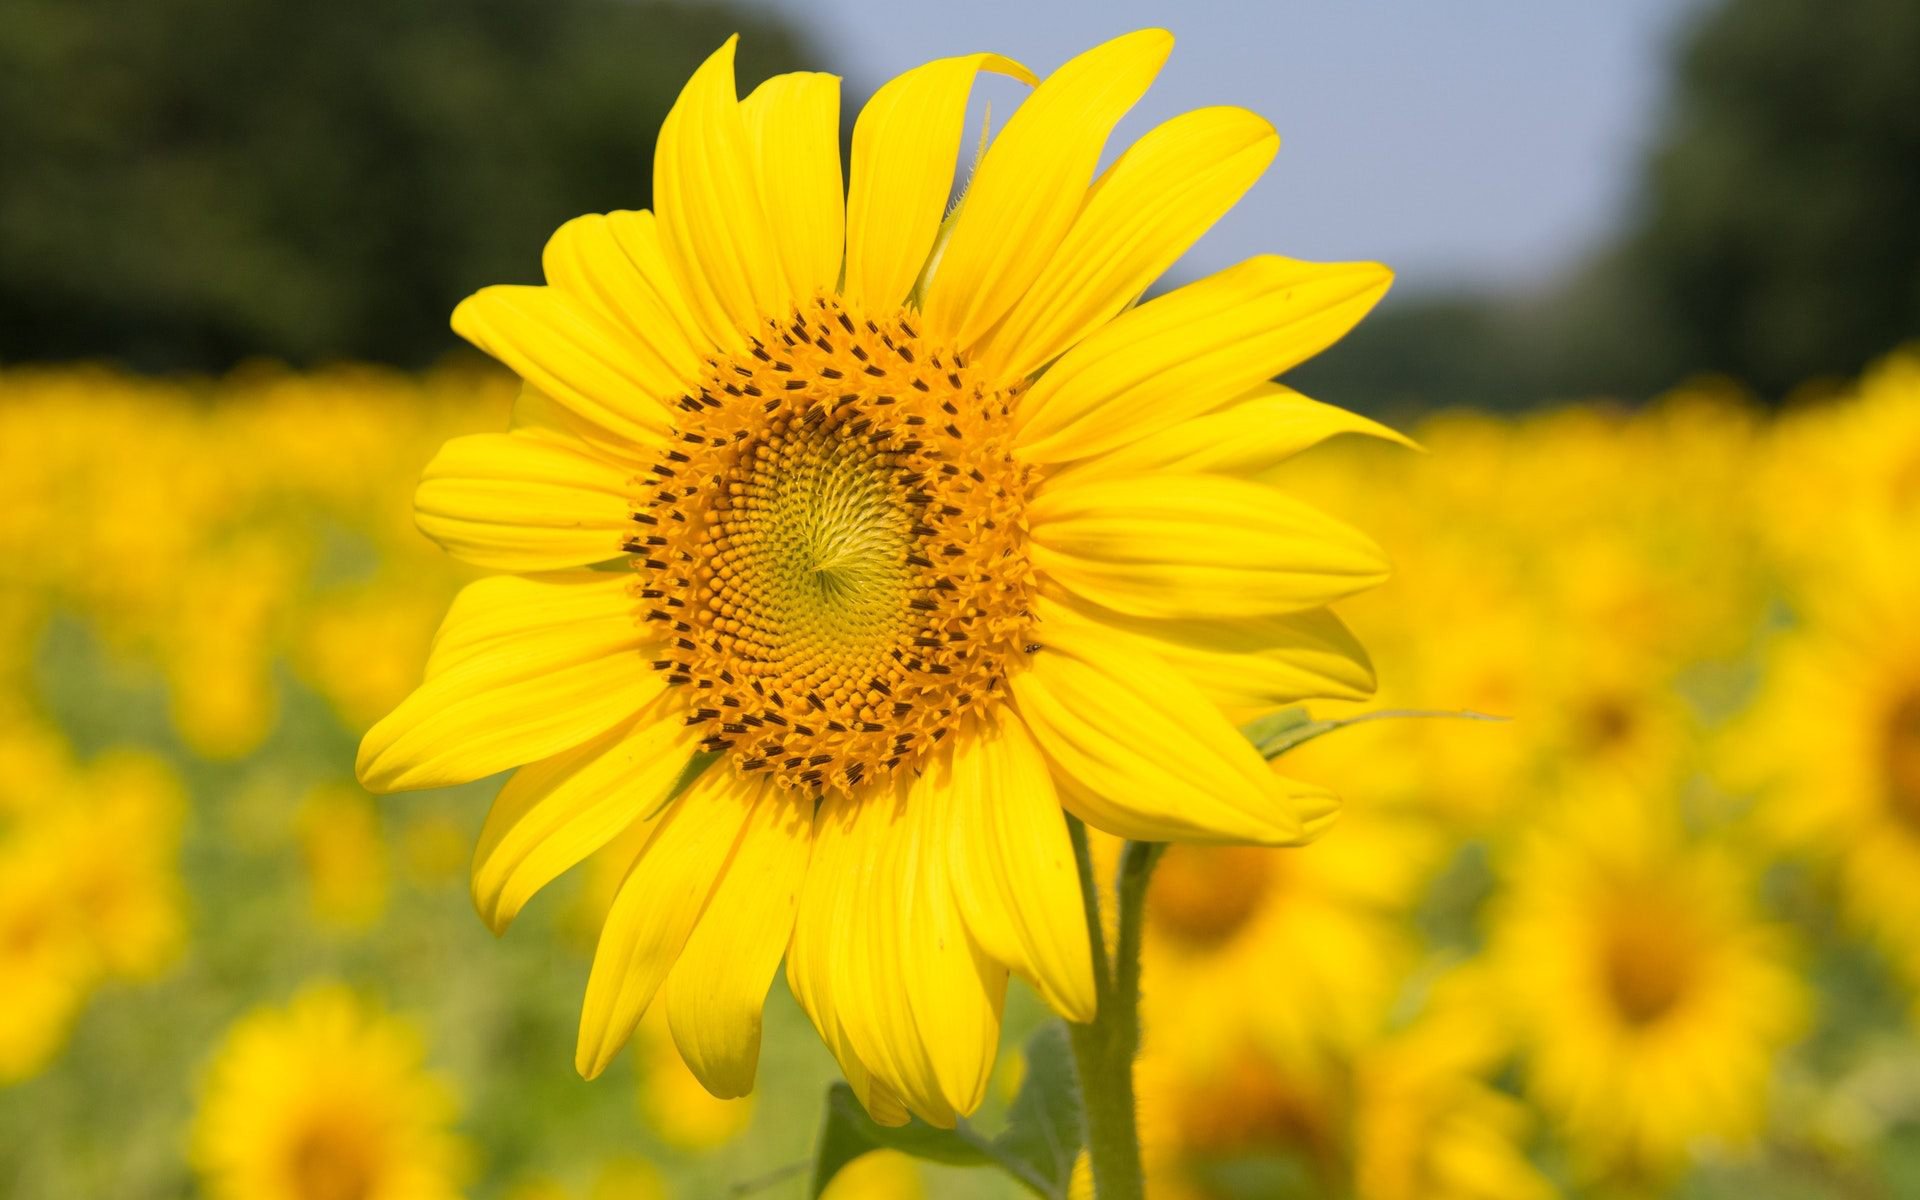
835, 549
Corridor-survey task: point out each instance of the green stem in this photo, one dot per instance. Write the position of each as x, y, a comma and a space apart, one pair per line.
1104, 1051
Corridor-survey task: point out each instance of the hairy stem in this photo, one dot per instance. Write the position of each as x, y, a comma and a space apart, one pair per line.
1103, 1051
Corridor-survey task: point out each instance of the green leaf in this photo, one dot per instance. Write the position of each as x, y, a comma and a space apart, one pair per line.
1038, 1147
849, 1132
696, 767
1045, 1128
1282, 731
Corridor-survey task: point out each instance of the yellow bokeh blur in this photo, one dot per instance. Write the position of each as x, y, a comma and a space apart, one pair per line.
1655, 927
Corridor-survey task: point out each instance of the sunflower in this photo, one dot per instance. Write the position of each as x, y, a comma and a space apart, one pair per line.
345, 857
89, 886
47, 968
1429, 1127
1300, 956
1407, 1116
1833, 742
1846, 472
900, 534
1647, 998
325, 1100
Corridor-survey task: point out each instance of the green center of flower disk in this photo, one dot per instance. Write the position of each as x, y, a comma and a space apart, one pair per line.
834, 549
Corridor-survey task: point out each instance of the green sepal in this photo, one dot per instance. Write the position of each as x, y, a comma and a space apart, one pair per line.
849, 1133
1045, 1127
1043, 1137
1278, 732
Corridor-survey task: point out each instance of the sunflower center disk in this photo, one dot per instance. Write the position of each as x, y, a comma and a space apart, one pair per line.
1204, 895
835, 549
1648, 964
331, 1164
1902, 761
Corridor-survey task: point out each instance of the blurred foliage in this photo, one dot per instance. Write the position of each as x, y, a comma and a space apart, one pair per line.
1774, 238
1779, 240
193, 182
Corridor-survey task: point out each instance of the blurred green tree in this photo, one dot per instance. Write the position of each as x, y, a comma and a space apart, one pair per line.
190, 182
1779, 239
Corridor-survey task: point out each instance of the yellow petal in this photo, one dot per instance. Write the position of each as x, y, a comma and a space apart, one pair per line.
953, 986
1033, 181
1141, 753
719, 986
905, 144
1141, 216
554, 813
534, 616
537, 415
638, 233
851, 966
830, 903
612, 264
522, 668
1012, 862
656, 908
515, 502
1195, 546
794, 121
562, 347
713, 225
1248, 663
868, 974
1248, 438
1190, 351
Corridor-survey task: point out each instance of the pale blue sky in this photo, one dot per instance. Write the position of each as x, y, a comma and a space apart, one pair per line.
1460, 141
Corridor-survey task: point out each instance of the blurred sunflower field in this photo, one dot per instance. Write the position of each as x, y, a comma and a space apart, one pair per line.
1652, 933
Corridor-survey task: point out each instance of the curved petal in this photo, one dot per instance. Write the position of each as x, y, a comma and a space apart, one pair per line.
1141, 216
1033, 181
1140, 752
638, 233
713, 224
719, 985
1248, 663
1190, 351
554, 813
536, 415
521, 669
611, 263
831, 904
955, 988
882, 961
657, 907
1012, 862
794, 122
869, 977
905, 143
533, 616
1248, 438
1195, 547
572, 355
514, 502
